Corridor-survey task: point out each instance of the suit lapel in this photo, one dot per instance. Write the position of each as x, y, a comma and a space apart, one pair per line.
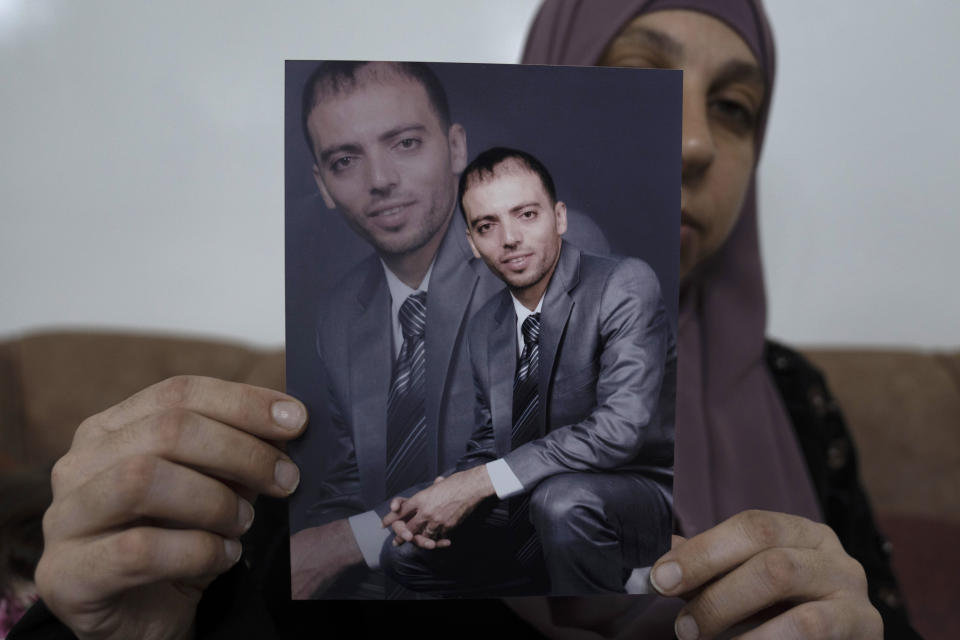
557, 305
370, 363
502, 365
451, 288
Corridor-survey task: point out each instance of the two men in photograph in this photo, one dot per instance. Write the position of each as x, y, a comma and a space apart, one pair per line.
393, 338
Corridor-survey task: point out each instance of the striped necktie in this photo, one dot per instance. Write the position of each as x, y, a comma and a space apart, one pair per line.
526, 413
526, 395
406, 413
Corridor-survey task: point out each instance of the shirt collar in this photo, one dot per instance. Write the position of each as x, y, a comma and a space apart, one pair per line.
522, 311
400, 291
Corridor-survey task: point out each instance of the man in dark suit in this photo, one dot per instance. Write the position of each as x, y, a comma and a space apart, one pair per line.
574, 365
399, 398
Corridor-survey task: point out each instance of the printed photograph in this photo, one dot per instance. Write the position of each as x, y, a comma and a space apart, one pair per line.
481, 308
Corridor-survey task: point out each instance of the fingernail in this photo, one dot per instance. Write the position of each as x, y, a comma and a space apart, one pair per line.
244, 514
287, 475
233, 549
686, 628
666, 577
287, 414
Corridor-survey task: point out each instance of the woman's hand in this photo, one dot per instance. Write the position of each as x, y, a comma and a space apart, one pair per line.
151, 499
767, 575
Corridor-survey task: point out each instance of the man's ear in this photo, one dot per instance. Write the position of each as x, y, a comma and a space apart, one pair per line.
327, 200
457, 139
473, 247
560, 209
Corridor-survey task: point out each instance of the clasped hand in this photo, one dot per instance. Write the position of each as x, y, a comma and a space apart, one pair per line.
431, 514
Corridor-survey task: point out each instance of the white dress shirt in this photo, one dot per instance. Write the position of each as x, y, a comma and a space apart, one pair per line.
399, 292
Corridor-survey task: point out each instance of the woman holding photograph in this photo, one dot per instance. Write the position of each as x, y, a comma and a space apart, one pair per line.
754, 484
753, 478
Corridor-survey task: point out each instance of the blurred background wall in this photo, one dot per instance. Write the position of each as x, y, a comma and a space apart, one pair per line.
142, 161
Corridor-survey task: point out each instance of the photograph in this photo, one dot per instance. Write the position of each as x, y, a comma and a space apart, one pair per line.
481, 306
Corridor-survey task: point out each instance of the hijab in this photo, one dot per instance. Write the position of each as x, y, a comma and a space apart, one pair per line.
735, 448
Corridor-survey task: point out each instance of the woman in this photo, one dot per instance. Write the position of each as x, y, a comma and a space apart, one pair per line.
737, 433
749, 436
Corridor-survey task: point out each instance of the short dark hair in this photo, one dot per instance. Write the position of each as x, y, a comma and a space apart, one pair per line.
484, 165
334, 77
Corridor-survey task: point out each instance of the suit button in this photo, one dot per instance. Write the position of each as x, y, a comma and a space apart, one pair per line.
837, 454
890, 597
817, 400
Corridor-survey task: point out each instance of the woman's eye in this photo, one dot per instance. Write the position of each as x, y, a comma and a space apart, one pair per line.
739, 115
625, 53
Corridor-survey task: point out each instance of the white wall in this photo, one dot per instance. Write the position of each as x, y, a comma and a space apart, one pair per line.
141, 149
860, 181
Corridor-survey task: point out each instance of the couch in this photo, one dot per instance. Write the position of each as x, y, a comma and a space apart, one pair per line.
903, 408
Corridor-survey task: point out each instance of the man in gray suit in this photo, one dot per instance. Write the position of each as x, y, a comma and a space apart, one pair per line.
574, 365
399, 397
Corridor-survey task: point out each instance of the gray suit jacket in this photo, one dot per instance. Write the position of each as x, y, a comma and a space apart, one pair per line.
607, 366
354, 344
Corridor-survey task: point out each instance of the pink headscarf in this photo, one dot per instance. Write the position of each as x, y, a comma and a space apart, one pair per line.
735, 449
